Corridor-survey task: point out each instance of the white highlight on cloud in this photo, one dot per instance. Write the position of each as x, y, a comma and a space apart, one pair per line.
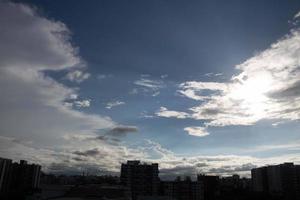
112, 104
267, 88
213, 74
77, 76
297, 15
149, 83
164, 112
196, 131
83, 103
73, 96
191, 88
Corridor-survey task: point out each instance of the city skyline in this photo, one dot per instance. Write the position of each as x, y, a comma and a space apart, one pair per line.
199, 87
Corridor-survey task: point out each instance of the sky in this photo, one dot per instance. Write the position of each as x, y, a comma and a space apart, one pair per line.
197, 86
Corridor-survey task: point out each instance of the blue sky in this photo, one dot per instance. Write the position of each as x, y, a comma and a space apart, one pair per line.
174, 82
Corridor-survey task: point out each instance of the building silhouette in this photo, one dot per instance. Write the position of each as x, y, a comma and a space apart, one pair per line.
282, 181
183, 189
5, 175
140, 178
211, 187
18, 179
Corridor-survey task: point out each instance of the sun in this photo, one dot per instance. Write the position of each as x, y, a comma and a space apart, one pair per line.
251, 93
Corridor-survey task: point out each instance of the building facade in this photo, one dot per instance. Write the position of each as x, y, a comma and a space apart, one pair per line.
183, 189
140, 178
18, 179
277, 180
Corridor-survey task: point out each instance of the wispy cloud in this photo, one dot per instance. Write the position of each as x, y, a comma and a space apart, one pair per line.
213, 74
164, 76
112, 104
196, 131
297, 15
83, 103
103, 76
77, 76
164, 112
122, 130
150, 86
267, 87
37, 44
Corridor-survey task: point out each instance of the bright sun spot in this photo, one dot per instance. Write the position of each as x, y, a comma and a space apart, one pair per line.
251, 92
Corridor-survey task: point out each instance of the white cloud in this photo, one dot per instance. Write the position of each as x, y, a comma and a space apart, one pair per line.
73, 96
47, 41
41, 107
134, 91
150, 86
213, 74
112, 104
193, 89
266, 87
164, 112
145, 114
172, 165
196, 131
156, 93
77, 76
83, 103
31, 44
149, 83
164, 76
297, 15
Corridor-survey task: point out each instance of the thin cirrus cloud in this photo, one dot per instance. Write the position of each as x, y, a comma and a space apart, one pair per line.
149, 86
112, 104
164, 112
83, 103
77, 76
266, 88
297, 15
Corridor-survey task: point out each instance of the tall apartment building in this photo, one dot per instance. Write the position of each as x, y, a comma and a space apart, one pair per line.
18, 179
211, 187
5, 175
278, 180
26, 176
183, 189
259, 179
141, 178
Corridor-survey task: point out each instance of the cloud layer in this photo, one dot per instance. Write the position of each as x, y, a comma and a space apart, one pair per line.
38, 119
266, 88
